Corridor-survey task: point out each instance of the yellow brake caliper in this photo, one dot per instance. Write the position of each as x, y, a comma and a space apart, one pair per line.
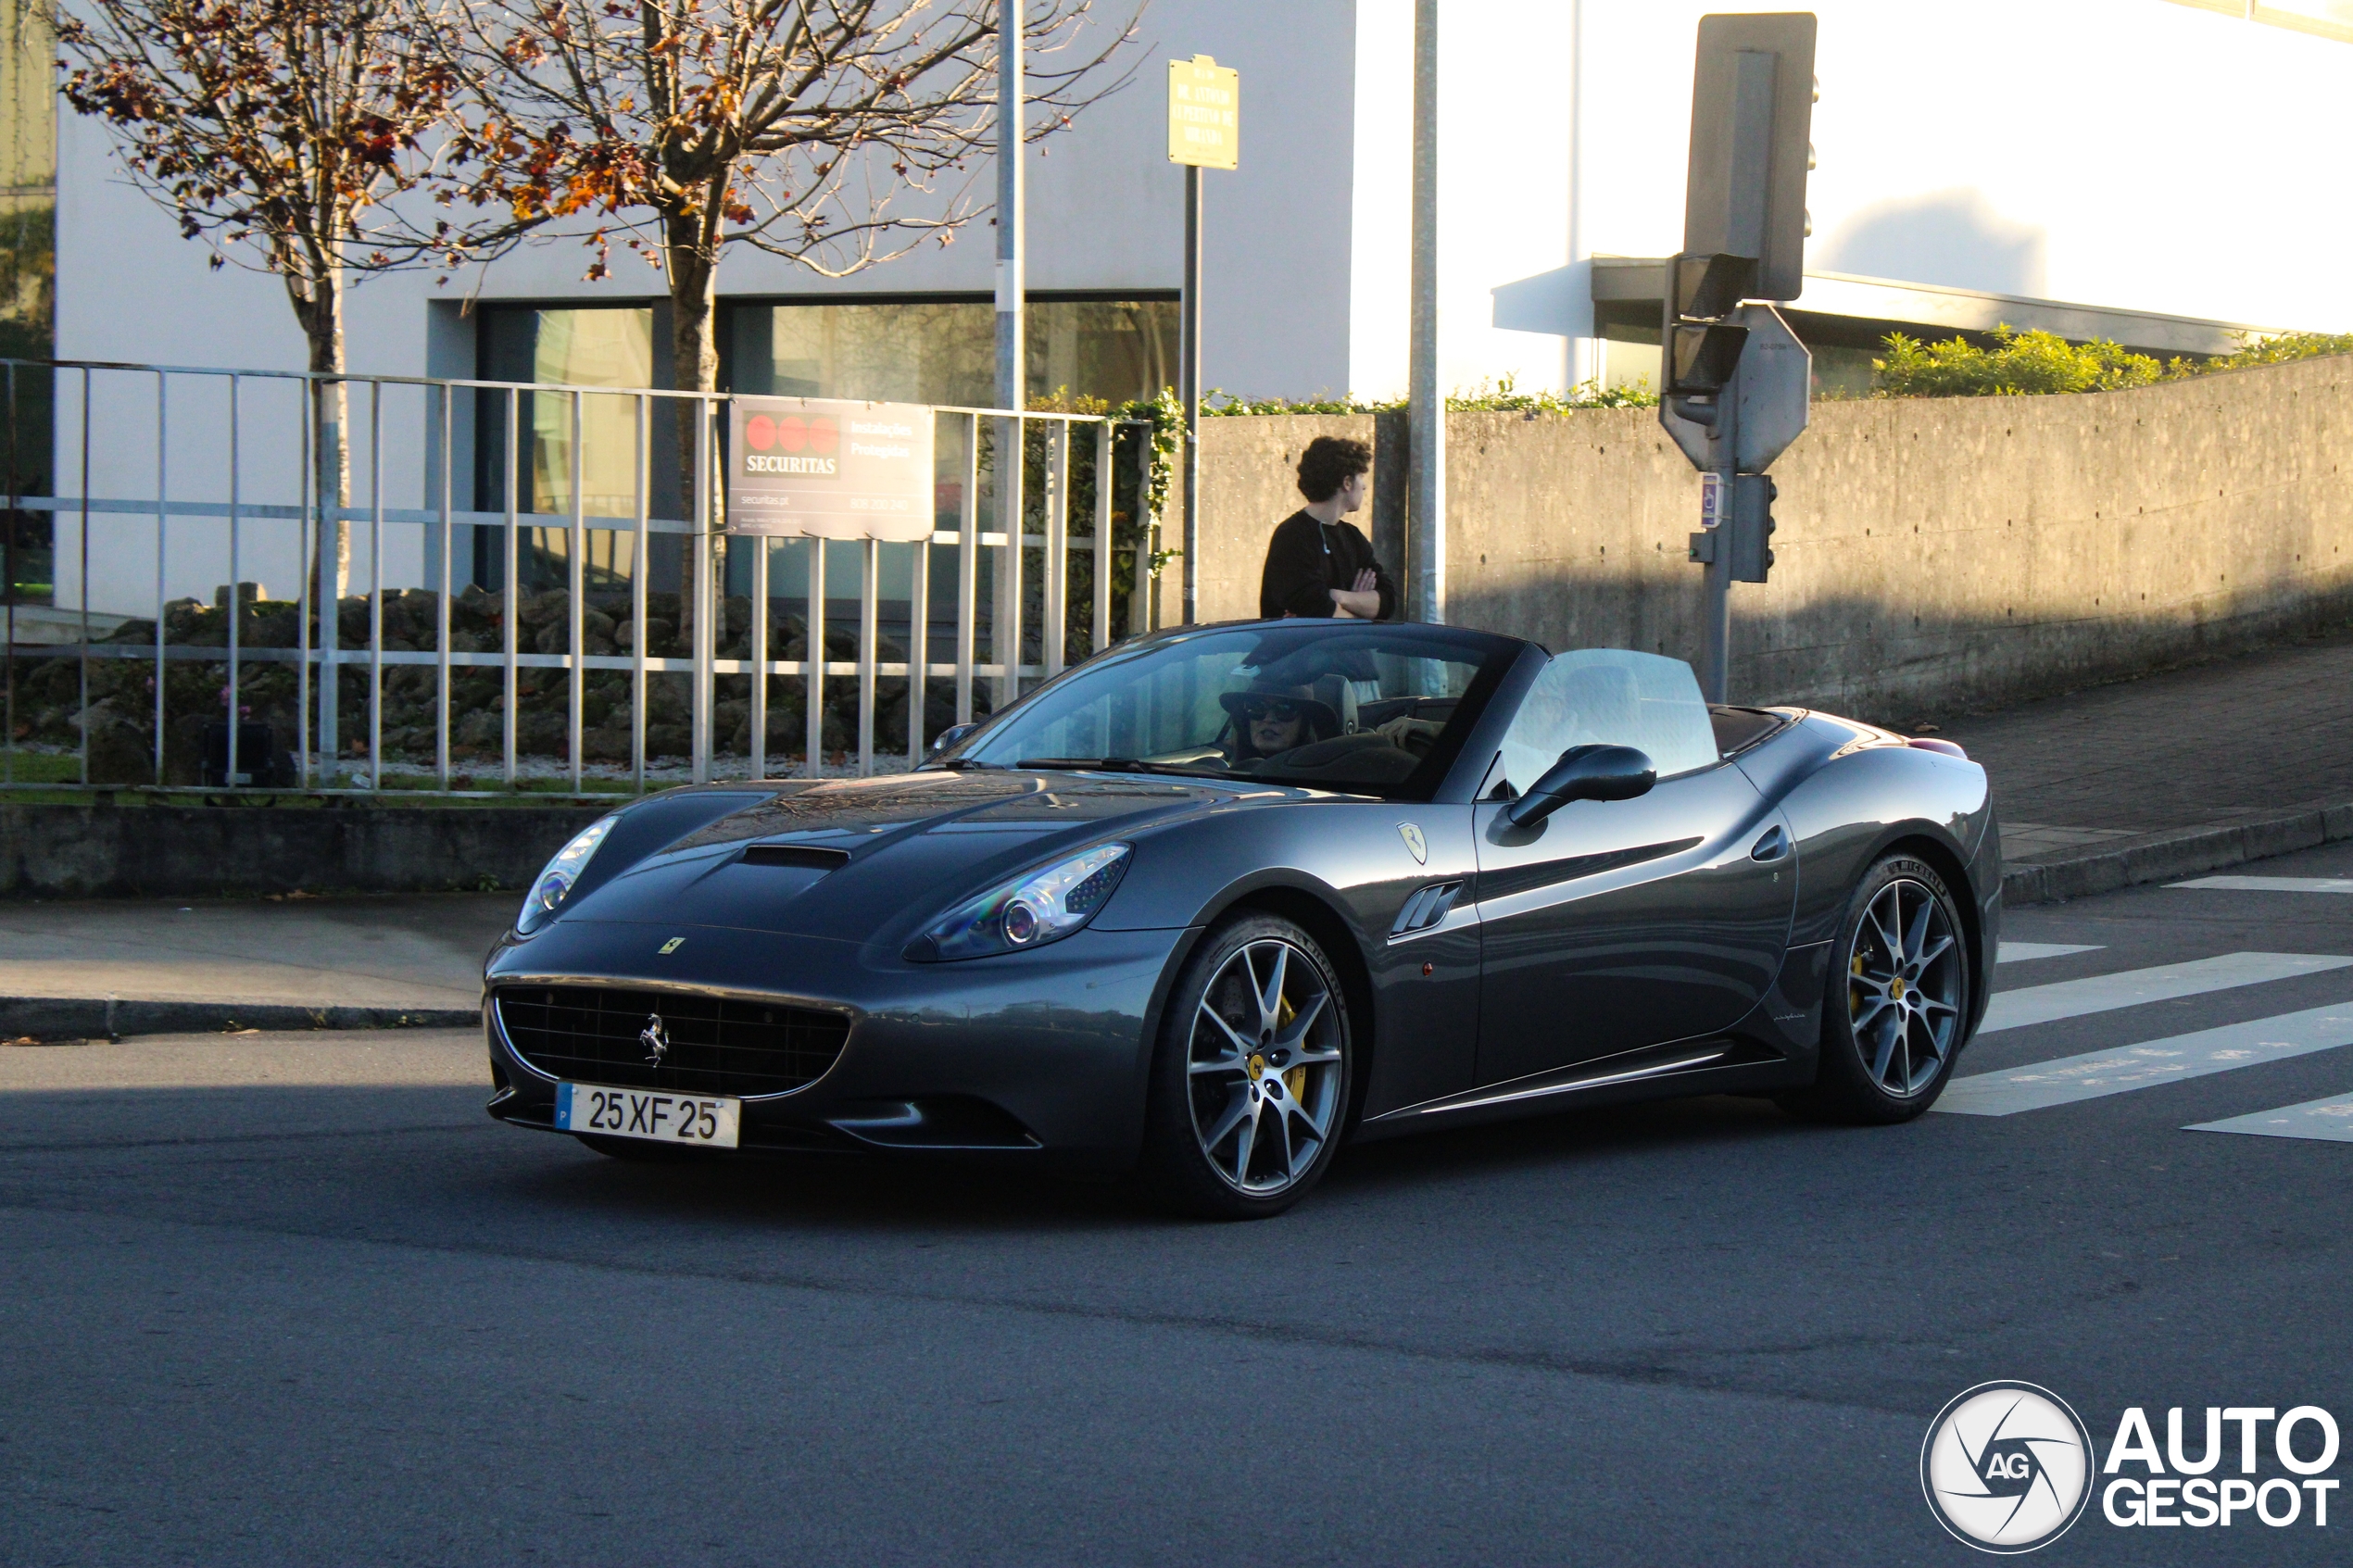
1296, 1079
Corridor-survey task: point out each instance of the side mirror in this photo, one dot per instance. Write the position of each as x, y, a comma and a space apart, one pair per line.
1584, 773
950, 736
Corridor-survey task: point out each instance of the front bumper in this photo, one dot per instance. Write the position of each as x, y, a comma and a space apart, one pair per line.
1041, 1055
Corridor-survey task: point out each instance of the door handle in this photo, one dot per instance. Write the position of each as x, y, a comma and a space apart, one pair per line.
1772, 847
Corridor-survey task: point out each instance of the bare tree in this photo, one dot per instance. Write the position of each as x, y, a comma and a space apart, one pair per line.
279, 133
836, 133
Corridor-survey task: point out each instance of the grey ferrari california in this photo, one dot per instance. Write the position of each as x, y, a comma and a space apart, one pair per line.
1224, 898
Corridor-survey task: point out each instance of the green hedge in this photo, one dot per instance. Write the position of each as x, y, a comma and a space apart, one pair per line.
2033, 363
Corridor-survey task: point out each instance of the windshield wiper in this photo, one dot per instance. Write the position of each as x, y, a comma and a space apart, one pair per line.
967, 764
1116, 765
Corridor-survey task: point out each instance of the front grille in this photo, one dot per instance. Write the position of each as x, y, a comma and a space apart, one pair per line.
715, 1045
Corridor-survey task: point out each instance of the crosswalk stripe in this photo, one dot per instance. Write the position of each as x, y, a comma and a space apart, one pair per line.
2095, 1073
2102, 993
2271, 884
2021, 952
2330, 1120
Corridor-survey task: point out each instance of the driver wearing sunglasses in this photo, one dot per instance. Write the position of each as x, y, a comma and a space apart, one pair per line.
1268, 722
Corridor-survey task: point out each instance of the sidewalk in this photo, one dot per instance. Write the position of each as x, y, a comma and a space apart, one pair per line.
2173, 774
149, 966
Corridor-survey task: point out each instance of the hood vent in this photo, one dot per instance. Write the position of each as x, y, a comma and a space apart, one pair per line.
806, 856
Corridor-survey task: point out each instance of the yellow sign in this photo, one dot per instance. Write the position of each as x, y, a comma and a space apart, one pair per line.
1204, 113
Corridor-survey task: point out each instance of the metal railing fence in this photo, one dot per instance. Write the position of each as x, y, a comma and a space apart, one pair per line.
303, 493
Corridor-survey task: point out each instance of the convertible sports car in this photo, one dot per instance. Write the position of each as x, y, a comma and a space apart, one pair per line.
1225, 897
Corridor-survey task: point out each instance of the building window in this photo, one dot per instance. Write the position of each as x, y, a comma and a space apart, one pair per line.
598, 346
944, 351
911, 350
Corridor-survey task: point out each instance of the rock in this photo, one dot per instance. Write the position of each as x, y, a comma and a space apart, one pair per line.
181, 618
480, 729
543, 734
475, 608
607, 743
121, 752
271, 626
669, 740
540, 609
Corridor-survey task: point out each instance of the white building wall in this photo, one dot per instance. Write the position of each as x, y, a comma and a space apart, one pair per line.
2130, 153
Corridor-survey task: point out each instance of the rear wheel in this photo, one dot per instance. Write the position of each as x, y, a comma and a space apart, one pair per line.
1250, 1083
1895, 1017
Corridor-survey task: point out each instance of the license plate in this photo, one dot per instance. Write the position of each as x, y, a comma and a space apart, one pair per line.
702, 1121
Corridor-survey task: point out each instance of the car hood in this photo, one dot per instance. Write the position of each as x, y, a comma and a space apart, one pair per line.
854, 859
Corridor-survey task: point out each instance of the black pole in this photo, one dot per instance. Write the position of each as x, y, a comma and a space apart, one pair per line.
1189, 390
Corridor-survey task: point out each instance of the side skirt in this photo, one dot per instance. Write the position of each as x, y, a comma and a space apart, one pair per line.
1696, 1067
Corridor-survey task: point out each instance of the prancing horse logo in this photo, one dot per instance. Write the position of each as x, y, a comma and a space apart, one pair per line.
653, 1039
1415, 842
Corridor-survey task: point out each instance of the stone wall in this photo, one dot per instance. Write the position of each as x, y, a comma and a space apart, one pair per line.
118, 851
1934, 554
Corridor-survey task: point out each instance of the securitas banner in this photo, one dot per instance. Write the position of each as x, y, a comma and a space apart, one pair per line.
816, 467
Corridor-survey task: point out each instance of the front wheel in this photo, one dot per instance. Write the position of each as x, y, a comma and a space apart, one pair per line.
1896, 1012
1250, 1083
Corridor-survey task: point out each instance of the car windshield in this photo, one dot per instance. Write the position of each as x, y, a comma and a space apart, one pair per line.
1372, 710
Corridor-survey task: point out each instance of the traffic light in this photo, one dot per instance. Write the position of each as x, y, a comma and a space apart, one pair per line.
1752, 526
1751, 144
1703, 348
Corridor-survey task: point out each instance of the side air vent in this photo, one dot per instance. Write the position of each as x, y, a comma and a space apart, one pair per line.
1426, 908
804, 855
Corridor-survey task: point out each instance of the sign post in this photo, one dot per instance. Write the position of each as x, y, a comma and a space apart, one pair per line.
1204, 132
1736, 380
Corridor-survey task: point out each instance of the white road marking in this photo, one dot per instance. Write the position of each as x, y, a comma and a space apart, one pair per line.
2330, 1120
2273, 883
2170, 1060
2102, 993
2021, 952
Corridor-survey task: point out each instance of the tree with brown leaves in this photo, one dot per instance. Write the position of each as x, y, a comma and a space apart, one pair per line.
836, 133
280, 132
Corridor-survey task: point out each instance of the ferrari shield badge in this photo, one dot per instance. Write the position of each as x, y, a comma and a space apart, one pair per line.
1412, 834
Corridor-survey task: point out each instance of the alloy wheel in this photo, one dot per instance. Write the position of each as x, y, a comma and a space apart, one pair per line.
1904, 988
1264, 1069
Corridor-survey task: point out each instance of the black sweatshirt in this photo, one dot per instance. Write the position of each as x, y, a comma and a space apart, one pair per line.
1306, 559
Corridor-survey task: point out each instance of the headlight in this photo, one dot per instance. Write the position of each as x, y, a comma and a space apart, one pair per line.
1042, 907
554, 886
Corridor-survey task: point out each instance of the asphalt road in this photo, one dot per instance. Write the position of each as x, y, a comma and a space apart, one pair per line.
295, 1299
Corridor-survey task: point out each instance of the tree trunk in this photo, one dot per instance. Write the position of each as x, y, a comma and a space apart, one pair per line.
322, 324
317, 305
694, 341
694, 347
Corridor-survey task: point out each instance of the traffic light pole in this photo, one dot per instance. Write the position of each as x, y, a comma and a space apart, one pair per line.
1716, 609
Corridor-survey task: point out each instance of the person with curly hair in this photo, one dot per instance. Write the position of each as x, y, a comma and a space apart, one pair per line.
1319, 564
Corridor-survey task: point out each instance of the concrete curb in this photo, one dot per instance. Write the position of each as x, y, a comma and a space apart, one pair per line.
53, 1018
2161, 857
